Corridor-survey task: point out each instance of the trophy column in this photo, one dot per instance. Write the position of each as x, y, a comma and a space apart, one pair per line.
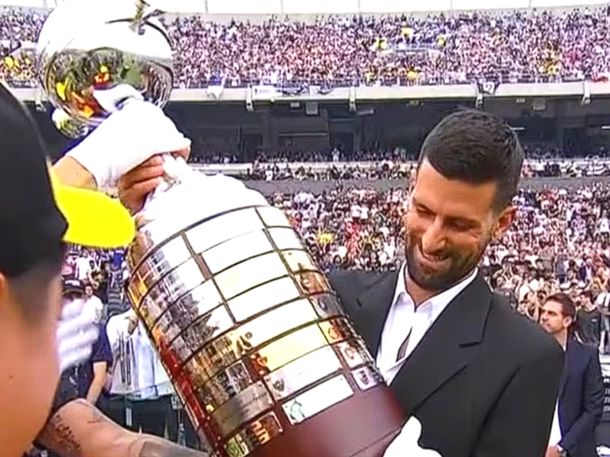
256, 342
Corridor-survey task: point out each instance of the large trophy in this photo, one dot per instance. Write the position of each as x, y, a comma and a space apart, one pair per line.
253, 337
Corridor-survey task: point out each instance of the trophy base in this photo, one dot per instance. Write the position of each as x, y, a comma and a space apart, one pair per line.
362, 426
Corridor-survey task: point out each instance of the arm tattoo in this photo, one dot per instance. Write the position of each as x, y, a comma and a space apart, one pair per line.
63, 436
79, 429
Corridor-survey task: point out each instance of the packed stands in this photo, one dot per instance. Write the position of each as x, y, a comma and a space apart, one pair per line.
334, 51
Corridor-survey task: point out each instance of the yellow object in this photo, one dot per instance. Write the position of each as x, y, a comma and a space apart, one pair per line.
60, 89
94, 219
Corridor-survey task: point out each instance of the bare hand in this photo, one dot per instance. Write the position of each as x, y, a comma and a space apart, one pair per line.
134, 187
552, 451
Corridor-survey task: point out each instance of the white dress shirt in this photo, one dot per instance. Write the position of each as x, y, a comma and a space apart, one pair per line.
404, 319
555, 437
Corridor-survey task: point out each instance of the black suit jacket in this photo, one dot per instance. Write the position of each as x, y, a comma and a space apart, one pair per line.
483, 381
581, 399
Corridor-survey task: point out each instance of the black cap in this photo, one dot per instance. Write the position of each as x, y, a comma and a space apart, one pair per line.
31, 224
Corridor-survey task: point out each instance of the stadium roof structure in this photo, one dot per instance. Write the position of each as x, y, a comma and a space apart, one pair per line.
298, 7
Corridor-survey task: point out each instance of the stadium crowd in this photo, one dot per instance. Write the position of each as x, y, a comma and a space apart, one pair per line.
345, 50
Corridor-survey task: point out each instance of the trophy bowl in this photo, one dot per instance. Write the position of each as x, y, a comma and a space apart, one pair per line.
254, 339
87, 46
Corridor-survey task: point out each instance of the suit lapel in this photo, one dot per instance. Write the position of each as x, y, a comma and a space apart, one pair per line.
375, 303
445, 349
570, 350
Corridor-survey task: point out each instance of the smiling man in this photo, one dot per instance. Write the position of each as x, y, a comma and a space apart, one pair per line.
481, 379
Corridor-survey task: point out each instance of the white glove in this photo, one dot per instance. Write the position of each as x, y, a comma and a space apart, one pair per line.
76, 334
129, 136
407, 443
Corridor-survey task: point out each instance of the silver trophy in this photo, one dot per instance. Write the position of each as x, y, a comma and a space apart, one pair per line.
252, 335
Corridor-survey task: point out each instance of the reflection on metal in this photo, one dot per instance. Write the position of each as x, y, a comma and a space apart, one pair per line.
248, 327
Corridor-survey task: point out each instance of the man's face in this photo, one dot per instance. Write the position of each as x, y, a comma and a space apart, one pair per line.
88, 291
552, 319
30, 365
447, 227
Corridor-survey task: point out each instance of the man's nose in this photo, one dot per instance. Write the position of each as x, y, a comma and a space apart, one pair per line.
433, 240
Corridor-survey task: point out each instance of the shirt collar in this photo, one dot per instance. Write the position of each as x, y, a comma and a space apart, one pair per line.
439, 301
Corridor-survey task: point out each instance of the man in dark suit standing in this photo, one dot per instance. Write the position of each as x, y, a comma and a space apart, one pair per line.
481, 379
581, 392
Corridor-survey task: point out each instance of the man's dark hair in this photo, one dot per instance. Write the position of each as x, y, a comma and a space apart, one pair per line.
30, 288
476, 147
568, 308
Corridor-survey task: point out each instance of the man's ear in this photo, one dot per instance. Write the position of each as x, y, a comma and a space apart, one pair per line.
504, 221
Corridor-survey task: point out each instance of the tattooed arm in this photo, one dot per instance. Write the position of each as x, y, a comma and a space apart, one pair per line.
78, 429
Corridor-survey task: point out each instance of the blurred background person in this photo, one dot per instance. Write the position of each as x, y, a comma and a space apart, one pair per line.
581, 392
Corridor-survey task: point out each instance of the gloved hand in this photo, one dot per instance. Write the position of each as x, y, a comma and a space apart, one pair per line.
76, 333
407, 443
134, 132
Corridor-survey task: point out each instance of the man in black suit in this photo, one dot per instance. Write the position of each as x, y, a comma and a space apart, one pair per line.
481, 379
581, 392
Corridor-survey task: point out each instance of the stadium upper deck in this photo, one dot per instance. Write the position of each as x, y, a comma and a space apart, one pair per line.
266, 7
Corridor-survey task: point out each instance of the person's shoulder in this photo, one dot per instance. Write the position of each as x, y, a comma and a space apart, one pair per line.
360, 279
584, 350
522, 336
351, 283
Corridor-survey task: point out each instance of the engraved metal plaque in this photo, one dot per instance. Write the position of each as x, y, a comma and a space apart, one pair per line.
326, 305
231, 252
203, 330
227, 227
302, 372
271, 217
337, 329
245, 406
254, 435
225, 385
316, 400
263, 298
367, 377
287, 349
168, 257
299, 260
185, 311
285, 239
354, 353
250, 274
177, 283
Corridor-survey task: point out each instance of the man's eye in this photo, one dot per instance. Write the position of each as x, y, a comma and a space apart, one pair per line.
460, 225
423, 211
